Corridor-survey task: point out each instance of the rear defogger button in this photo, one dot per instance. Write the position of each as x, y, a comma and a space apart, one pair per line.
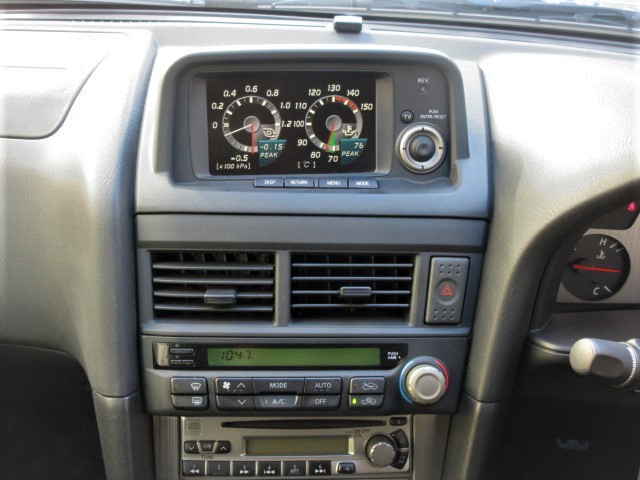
447, 286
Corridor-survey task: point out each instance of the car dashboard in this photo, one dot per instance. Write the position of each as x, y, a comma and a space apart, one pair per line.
270, 245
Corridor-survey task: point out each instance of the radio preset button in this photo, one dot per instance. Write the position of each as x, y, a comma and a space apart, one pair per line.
239, 402
193, 468
244, 469
219, 469
368, 385
322, 385
191, 447
234, 386
320, 402
222, 446
365, 402
268, 469
295, 469
320, 468
279, 402
190, 402
206, 446
188, 386
278, 385
346, 467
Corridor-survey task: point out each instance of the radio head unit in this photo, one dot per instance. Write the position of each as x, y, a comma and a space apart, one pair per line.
282, 447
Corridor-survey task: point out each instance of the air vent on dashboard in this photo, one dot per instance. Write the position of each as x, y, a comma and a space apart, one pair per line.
351, 286
213, 285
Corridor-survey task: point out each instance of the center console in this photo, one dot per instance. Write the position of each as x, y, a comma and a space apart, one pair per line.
311, 226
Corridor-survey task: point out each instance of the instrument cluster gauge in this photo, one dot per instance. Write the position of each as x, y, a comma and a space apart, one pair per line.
334, 124
252, 124
597, 269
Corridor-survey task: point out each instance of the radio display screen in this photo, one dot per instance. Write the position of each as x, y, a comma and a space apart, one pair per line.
261, 357
283, 123
297, 446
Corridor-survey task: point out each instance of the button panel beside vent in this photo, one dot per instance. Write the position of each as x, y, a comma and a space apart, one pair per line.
338, 286
213, 285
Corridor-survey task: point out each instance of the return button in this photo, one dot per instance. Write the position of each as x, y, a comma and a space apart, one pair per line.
278, 385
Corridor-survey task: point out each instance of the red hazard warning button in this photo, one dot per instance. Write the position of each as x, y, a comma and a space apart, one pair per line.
447, 291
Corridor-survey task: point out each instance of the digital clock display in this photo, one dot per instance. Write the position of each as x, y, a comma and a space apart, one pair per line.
280, 123
267, 357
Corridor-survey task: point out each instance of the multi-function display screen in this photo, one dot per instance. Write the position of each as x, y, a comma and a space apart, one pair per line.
275, 357
285, 123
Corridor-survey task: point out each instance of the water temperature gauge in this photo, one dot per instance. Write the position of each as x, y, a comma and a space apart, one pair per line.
598, 267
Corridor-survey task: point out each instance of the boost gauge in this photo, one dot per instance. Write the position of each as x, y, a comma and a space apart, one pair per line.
597, 269
248, 121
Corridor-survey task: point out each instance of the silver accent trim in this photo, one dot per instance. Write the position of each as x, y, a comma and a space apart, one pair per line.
634, 364
408, 161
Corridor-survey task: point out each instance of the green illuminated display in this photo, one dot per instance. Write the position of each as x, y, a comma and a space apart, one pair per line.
297, 446
293, 357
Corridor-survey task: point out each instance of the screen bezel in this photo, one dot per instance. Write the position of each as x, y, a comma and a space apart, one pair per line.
198, 123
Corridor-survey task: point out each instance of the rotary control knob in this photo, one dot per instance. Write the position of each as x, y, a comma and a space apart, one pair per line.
422, 148
426, 383
381, 451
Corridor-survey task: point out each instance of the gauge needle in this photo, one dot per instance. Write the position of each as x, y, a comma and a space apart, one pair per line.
330, 138
252, 138
237, 130
594, 269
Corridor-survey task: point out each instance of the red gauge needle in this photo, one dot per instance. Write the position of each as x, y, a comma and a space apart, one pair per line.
330, 136
252, 139
594, 269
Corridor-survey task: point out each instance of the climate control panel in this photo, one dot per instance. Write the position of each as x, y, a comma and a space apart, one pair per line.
330, 377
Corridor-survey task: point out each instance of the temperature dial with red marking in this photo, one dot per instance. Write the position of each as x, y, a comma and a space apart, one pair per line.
424, 381
597, 269
331, 119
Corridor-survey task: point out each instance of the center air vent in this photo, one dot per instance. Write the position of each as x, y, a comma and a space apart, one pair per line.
356, 287
213, 286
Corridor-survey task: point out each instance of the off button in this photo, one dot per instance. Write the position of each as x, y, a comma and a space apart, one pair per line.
321, 402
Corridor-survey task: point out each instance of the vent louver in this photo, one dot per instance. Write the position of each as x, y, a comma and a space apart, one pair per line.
213, 285
355, 287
